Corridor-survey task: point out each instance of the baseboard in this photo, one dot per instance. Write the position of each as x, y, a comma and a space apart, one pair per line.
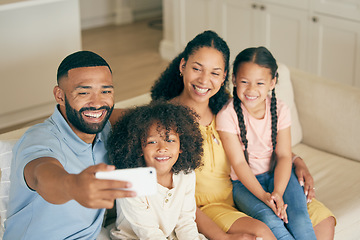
97, 22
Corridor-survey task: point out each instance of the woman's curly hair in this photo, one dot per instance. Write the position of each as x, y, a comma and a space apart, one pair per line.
130, 132
170, 84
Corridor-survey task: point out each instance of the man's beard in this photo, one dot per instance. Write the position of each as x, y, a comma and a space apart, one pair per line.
76, 118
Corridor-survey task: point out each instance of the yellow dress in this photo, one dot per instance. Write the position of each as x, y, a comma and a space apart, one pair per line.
213, 190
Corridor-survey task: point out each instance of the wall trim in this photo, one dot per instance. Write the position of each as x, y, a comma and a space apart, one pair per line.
167, 49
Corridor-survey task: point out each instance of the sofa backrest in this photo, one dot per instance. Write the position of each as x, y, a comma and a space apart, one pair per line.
329, 114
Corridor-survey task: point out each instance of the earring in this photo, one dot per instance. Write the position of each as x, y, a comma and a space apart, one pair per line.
180, 74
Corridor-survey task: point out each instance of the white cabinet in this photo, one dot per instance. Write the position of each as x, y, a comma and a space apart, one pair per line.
237, 19
255, 23
334, 51
349, 9
191, 18
320, 36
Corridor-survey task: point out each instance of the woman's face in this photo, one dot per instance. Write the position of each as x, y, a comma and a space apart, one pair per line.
203, 74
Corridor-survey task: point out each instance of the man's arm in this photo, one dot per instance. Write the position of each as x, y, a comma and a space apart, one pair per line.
115, 115
48, 177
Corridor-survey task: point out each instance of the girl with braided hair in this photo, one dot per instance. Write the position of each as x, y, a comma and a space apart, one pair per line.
255, 131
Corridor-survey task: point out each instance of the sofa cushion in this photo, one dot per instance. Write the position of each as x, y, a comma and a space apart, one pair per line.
329, 114
337, 182
5, 162
284, 91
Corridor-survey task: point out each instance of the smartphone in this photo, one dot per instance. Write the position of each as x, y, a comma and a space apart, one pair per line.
143, 179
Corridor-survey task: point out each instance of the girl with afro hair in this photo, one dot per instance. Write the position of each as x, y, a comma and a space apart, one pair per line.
167, 137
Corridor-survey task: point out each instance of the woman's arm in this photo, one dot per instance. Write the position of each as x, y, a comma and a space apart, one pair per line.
235, 154
304, 177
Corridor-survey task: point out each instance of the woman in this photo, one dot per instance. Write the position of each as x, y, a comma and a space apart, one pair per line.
198, 78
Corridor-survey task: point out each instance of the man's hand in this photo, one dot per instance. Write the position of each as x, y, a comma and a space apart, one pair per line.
97, 193
48, 177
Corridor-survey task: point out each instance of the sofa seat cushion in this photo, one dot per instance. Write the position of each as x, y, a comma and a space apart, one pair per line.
337, 182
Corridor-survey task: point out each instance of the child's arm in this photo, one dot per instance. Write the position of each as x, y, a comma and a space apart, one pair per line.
186, 226
140, 217
235, 154
282, 170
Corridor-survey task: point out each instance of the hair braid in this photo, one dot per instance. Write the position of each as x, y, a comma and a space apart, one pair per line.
239, 113
274, 119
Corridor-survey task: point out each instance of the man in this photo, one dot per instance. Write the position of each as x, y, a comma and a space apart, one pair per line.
54, 193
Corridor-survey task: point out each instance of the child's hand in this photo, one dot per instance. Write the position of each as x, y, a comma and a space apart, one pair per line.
280, 206
268, 200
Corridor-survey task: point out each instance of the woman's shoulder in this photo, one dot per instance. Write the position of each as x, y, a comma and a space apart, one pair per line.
228, 107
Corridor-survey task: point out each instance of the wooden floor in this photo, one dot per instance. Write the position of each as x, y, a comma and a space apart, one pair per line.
132, 51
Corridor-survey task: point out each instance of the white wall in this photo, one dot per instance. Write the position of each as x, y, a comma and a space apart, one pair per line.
95, 13
35, 36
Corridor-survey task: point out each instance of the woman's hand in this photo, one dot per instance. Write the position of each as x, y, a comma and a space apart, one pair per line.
305, 178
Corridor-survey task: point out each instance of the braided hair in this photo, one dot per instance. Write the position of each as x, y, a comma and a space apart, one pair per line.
170, 84
262, 57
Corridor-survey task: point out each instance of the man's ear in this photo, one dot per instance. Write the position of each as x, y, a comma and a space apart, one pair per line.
59, 95
182, 65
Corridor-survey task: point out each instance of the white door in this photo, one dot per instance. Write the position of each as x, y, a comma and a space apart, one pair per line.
192, 17
285, 34
237, 23
342, 8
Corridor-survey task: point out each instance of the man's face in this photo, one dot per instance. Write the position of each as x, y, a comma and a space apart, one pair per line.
76, 118
88, 98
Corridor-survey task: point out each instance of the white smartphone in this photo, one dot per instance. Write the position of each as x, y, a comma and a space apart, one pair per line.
143, 179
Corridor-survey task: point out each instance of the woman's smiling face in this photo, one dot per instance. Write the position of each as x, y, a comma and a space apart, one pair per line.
203, 74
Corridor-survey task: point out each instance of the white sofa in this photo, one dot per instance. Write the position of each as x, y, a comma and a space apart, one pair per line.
325, 133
